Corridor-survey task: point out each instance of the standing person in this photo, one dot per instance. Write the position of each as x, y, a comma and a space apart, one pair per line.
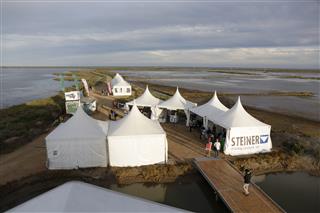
217, 147
247, 178
208, 147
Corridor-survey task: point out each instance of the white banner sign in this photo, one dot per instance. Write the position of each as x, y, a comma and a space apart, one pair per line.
72, 96
85, 84
248, 140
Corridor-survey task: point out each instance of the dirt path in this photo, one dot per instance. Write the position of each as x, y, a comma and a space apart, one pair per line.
183, 145
27, 160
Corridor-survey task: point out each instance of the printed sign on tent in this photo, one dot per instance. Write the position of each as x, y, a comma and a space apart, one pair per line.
72, 106
72, 96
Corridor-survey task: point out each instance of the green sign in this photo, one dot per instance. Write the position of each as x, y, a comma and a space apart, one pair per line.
72, 106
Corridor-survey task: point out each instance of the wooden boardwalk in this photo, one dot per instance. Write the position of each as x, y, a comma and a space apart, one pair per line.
227, 183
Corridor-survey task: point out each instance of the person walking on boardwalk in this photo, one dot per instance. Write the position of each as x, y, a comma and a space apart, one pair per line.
247, 179
217, 147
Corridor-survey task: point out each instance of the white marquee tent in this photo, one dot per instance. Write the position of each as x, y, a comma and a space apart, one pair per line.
79, 142
75, 196
210, 109
146, 99
245, 134
120, 87
135, 140
177, 102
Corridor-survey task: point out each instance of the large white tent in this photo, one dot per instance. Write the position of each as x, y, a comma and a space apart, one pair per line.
78, 143
119, 86
135, 140
245, 134
75, 196
177, 102
210, 109
146, 99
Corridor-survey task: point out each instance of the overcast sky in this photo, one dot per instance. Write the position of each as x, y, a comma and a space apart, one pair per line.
234, 33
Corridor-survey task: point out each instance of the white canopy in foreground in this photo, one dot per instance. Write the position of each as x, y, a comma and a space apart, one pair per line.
77, 196
79, 142
135, 140
146, 99
120, 87
210, 109
245, 134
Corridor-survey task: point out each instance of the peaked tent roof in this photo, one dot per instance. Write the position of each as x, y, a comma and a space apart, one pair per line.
119, 81
146, 99
135, 123
177, 102
237, 116
75, 196
213, 106
80, 125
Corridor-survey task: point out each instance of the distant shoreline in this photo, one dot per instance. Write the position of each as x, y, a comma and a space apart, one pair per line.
177, 68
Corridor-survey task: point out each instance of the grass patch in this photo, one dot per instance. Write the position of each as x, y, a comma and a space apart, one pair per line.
22, 123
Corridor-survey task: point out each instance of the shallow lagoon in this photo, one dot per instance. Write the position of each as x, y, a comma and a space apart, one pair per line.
294, 192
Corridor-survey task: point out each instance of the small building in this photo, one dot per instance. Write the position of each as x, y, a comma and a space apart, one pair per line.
136, 140
120, 87
80, 142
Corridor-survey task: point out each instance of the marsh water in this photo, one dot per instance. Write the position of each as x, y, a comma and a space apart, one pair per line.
20, 85
24, 84
294, 192
253, 82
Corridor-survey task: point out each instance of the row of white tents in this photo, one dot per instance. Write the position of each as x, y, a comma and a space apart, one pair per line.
82, 141
244, 133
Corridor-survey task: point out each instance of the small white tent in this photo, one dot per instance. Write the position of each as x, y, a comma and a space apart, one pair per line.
210, 109
245, 134
119, 86
146, 99
135, 140
79, 142
75, 196
177, 102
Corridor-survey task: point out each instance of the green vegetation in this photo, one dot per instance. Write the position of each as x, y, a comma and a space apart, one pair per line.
300, 77
232, 72
22, 123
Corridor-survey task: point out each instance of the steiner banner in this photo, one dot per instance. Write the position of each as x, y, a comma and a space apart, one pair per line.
248, 140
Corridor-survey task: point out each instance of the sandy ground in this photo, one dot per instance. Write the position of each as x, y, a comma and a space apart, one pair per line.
27, 160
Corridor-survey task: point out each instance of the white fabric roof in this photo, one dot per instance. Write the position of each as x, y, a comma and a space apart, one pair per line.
135, 123
237, 116
177, 102
77, 196
119, 81
80, 125
213, 106
146, 99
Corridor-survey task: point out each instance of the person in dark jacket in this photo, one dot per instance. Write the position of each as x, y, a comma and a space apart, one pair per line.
247, 179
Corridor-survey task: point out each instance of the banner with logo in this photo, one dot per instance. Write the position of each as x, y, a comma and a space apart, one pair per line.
72, 96
85, 84
248, 140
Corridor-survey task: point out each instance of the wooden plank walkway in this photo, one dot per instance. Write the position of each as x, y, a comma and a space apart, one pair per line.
228, 182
